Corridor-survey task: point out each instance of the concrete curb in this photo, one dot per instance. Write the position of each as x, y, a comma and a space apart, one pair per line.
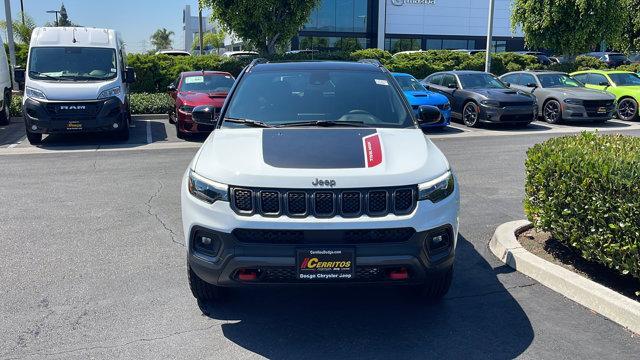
150, 116
608, 303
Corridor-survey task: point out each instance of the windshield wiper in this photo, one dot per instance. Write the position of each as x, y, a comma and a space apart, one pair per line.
324, 123
39, 74
248, 122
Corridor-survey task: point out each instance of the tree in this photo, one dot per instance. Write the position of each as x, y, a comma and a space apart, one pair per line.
265, 24
161, 39
568, 27
210, 40
21, 32
630, 38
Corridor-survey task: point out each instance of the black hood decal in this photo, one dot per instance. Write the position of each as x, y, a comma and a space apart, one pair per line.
315, 148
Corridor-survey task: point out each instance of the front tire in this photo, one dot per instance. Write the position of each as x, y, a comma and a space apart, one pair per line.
628, 109
34, 138
552, 112
123, 133
5, 113
202, 290
471, 114
437, 287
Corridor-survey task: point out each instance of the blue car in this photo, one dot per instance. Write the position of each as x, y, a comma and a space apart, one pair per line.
418, 95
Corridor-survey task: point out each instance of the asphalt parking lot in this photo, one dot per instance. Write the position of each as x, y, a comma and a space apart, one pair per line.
94, 267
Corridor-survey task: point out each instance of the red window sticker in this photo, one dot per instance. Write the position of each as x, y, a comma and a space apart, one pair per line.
372, 150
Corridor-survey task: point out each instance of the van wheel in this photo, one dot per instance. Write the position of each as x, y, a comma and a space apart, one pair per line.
34, 138
202, 290
5, 114
437, 287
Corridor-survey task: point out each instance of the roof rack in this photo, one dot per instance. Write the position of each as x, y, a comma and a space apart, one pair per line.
375, 62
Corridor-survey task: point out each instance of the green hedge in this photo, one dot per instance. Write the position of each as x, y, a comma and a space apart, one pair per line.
141, 103
584, 190
144, 103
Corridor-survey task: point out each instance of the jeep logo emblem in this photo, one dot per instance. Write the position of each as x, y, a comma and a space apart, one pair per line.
329, 183
73, 107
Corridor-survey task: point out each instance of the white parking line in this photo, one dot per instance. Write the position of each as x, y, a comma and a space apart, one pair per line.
14, 145
149, 137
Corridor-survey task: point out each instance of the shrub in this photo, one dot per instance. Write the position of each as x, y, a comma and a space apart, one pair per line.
517, 62
378, 54
588, 63
16, 105
143, 103
584, 190
633, 68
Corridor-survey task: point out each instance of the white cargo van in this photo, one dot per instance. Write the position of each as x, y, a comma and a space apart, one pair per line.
5, 86
76, 81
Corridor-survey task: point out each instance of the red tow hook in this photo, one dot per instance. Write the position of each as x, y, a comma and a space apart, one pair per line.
248, 275
398, 274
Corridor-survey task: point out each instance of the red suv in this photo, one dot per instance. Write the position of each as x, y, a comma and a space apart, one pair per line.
194, 88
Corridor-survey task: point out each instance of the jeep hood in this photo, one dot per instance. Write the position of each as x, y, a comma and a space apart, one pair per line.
294, 158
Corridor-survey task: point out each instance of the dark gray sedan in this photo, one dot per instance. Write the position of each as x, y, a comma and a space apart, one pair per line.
561, 97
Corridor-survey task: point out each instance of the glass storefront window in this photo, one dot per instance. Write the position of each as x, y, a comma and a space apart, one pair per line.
499, 46
396, 45
453, 44
327, 15
348, 44
339, 16
434, 44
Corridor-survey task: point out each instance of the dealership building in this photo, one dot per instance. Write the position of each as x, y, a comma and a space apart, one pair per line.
400, 25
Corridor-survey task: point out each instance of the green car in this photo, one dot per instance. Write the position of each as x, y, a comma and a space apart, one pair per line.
625, 85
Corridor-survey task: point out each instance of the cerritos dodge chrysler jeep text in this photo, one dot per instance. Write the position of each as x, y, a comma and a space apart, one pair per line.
318, 172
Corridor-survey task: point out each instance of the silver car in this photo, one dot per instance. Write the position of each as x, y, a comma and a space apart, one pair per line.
561, 97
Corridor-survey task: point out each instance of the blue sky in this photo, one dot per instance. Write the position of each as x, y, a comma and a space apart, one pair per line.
135, 19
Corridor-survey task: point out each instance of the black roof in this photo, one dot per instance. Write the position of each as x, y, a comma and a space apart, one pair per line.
316, 65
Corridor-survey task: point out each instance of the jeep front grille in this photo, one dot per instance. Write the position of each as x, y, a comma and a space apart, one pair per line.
324, 203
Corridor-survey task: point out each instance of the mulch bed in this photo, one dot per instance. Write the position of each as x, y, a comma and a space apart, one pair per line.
543, 245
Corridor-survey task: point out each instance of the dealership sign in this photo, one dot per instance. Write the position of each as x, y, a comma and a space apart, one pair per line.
413, 2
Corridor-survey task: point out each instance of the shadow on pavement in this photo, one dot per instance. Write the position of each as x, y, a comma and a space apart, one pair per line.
477, 319
13, 132
442, 130
611, 124
534, 126
139, 135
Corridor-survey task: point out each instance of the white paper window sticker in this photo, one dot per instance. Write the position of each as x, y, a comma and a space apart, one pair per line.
382, 82
194, 80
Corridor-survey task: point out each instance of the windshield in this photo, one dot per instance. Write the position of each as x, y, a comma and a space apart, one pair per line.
408, 83
207, 83
558, 81
281, 98
480, 81
625, 79
72, 63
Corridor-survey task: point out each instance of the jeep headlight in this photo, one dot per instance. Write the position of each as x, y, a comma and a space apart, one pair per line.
115, 91
207, 190
437, 189
573, 101
35, 94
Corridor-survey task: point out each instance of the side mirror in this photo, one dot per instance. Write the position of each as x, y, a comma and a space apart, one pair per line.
508, 84
605, 83
452, 86
19, 75
129, 75
428, 115
171, 88
204, 115
532, 85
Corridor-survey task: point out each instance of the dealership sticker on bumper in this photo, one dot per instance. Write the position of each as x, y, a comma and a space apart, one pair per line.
325, 264
74, 125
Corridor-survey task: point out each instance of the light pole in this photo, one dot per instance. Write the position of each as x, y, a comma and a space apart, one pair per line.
54, 12
200, 28
487, 66
10, 41
22, 11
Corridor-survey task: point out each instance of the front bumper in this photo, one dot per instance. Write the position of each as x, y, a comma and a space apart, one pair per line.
48, 117
587, 113
508, 114
275, 260
186, 125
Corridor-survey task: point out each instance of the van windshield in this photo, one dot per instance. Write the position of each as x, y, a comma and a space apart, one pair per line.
72, 63
292, 98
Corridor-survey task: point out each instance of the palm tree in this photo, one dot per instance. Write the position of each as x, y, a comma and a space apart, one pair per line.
161, 39
21, 32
